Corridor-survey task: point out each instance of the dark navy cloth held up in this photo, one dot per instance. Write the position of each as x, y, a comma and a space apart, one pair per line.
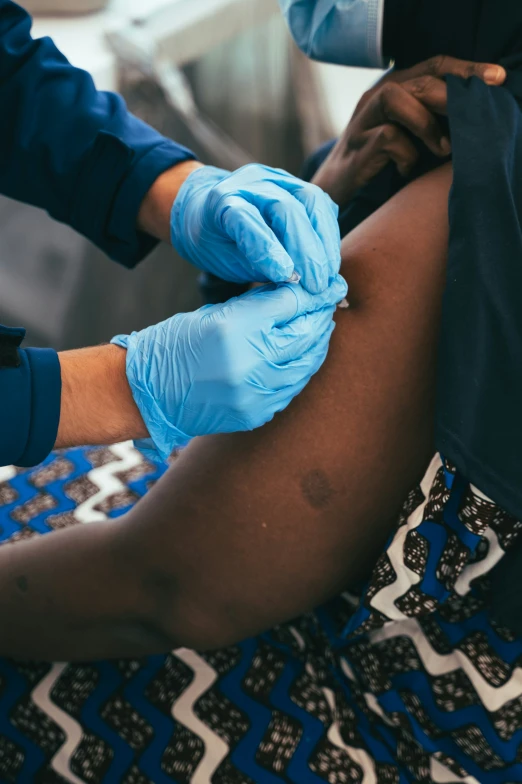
479, 413
479, 416
479, 420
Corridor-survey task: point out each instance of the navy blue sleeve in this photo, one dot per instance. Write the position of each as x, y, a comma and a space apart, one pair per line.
79, 154
30, 391
71, 149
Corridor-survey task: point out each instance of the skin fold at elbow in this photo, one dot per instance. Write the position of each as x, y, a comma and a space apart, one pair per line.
179, 619
174, 613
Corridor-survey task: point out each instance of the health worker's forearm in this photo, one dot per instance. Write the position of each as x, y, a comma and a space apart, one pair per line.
154, 215
97, 406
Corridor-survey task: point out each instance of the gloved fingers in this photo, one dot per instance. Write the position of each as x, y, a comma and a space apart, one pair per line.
301, 215
306, 366
330, 297
270, 306
297, 338
323, 213
280, 400
290, 222
294, 186
310, 232
293, 375
264, 258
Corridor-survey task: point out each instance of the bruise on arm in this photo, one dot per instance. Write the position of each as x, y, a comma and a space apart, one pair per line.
248, 530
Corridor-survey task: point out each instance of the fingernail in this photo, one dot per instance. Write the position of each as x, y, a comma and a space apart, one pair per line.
344, 305
445, 145
494, 74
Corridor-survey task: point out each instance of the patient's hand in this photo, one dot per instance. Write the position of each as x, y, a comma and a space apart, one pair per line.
402, 103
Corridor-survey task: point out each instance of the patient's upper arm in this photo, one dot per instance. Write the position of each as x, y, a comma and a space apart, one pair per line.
251, 529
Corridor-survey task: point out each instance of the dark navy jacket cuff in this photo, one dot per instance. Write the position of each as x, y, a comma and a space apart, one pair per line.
131, 245
29, 407
114, 183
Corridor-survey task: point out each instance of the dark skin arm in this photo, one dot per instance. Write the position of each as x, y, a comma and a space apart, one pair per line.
248, 530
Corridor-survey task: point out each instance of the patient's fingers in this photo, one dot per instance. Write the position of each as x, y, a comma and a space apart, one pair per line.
404, 105
442, 65
401, 105
430, 91
426, 95
388, 142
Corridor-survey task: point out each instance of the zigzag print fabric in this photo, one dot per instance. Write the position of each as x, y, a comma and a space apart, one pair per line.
408, 682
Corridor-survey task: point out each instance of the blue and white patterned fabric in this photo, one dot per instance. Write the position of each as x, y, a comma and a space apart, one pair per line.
409, 681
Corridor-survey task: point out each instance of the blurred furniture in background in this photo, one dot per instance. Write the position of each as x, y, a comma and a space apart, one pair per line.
220, 76
233, 105
63, 6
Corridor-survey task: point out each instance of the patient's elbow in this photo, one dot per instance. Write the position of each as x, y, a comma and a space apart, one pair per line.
171, 609
199, 628
184, 620
202, 634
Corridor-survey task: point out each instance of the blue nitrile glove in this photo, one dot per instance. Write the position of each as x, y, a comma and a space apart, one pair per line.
229, 367
257, 224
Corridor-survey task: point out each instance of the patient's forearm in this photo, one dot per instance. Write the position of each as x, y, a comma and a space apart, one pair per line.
248, 530
70, 595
